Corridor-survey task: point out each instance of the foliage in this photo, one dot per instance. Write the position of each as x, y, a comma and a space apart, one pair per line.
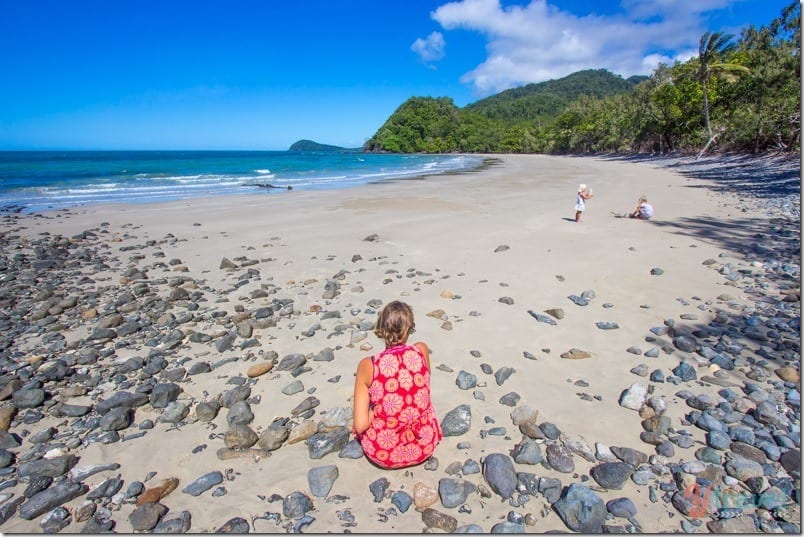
740, 94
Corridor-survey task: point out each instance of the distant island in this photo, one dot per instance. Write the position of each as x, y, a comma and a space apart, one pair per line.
309, 145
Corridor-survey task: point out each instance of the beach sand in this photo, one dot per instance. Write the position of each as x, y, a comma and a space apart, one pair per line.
485, 247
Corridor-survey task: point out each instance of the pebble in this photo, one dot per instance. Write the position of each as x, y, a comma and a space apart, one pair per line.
424, 495
378, 488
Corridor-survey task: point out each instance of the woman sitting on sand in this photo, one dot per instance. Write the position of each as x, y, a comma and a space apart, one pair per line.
644, 210
394, 418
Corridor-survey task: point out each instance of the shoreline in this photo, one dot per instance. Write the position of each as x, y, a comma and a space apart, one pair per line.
476, 255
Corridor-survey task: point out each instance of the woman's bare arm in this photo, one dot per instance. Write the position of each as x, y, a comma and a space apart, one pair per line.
422, 346
362, 416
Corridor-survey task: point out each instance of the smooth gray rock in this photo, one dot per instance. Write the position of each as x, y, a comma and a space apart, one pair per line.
50, 498
291, 362
107, 489
469, 528
293, 388
402, 500
466, 380
718, 440
685, 372
79, 473
203, 483
499, 473
308, 404
235, 525
378, 488
352, 450
542, 318
296, 504
621, 507
453, 492
55, 521
527, 452
743, 469
503, 374
174, 412
510, 399
28, 397
163, 394
560, 458
240, 437
240, 414
457, 421
685, 343
9, 508
121, 399
207, 410
321, 478
116, 419
275, 434
632, 456
53, 467
178, 524
581, 509
320, 444
612, 475
146, 516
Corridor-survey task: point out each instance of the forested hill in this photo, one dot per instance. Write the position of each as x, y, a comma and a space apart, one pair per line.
544, 101
740, 94
499, 123
309, 145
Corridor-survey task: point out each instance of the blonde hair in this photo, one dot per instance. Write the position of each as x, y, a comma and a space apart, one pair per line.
582, 187
394, 323
643, 199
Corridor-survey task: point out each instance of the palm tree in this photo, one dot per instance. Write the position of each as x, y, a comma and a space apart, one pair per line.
712, 48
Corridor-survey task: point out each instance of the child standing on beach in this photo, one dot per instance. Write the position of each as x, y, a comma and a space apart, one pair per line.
584, 193
394, 418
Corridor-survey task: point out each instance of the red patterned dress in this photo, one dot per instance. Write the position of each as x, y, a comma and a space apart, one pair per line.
405, 430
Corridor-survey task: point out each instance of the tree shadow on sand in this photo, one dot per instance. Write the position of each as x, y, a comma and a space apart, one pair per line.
770, 177
767, 176
775, 239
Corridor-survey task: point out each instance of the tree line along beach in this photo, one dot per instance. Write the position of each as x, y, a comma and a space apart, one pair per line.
187, 366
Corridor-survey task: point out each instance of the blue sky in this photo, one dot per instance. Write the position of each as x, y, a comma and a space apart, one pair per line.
261, 74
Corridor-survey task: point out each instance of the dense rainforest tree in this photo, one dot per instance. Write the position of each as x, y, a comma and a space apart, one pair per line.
738, 95
712, 50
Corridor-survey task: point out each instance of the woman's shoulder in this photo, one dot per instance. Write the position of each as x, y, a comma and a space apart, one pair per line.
365, 366
422, 346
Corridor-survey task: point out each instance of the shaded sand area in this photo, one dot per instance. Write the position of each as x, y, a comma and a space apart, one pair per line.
620, 373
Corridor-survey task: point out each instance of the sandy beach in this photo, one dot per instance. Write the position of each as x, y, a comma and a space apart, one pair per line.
489, 261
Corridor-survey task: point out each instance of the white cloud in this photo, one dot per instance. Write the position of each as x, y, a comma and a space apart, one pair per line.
430, 49
540, 41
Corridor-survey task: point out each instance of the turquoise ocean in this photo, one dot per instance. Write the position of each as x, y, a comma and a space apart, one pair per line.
35, 181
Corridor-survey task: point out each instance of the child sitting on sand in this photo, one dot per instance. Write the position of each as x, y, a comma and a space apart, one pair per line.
644, 210
394, 418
